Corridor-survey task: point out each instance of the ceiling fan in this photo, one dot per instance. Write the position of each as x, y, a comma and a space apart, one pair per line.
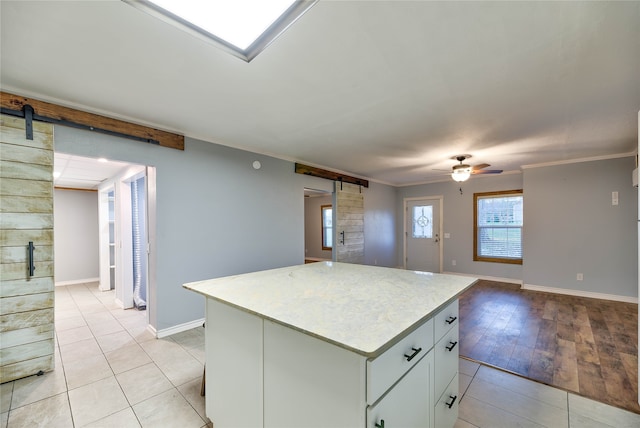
462, 172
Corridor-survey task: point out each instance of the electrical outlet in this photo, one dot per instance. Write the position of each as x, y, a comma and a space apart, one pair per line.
614, 198
579, 277
453, 262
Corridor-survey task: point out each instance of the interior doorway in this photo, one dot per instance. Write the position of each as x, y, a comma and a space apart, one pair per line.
124, 236
423, 234
319, 233
125, 203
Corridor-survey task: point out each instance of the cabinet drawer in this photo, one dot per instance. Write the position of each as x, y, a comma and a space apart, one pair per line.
446, 319
446, 360
408, 403
385, 370
446, 411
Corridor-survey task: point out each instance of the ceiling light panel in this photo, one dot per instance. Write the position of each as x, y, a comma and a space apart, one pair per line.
241, 27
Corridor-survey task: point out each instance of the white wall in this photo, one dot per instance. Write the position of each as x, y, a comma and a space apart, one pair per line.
75, 227
572, 227
313, 226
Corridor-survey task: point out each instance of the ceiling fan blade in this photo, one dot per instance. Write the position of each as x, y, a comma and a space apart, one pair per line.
487, 171
480, 166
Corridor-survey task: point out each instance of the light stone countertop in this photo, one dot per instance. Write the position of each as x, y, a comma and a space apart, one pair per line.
365, 309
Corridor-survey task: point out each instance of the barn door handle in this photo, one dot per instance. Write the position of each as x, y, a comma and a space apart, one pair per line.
32, 266
342, 240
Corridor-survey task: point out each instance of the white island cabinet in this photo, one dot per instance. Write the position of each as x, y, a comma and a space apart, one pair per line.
332, 345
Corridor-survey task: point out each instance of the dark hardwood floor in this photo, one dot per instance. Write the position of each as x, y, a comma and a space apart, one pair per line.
587, 346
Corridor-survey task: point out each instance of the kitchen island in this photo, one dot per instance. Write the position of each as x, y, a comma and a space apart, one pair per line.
332, 344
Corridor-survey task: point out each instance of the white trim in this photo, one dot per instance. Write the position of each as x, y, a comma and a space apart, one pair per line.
488, 278
317, 259
76, 281
151, 329
570, 161
118, 302
176, 328
580, 293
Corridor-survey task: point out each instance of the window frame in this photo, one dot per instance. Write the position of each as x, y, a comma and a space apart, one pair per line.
486, 195
323, 228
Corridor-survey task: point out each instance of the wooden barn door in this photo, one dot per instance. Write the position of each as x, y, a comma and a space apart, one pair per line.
349, 242
26, 247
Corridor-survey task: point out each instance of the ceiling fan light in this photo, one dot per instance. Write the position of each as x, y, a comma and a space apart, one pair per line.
461, 175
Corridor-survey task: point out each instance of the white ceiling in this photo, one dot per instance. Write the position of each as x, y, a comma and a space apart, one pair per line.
385, 90
78, 172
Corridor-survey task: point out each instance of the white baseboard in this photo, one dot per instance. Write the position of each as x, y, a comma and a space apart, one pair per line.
488, 278
580, 293
76, 281
151, 329
176, 328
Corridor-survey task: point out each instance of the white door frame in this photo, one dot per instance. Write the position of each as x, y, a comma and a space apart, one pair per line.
124, 262
104, 241
440, 199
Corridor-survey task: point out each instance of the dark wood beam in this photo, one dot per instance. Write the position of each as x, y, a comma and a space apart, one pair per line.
62, 115
330, 175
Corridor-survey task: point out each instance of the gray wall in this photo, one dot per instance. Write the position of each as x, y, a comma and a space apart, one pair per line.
380, 238
216, 215
458, 222
75, 226
571, 227
313, 226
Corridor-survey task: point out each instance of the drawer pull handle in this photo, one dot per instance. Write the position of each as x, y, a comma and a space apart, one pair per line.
453, 345
381, 424
453, 400
451, 319
412, 356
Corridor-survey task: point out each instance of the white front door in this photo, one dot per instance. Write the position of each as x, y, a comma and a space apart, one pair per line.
422, 234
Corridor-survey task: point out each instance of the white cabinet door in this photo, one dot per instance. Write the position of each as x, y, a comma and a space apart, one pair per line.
408, 403
446, 411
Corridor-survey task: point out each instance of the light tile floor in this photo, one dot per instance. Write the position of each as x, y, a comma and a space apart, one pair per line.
111, 372
493, 398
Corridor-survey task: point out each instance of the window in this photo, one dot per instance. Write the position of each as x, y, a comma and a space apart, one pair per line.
423, 221
241, 27
497, 226
327, 227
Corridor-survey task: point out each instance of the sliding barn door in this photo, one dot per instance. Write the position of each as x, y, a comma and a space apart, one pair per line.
349, 242
26, 247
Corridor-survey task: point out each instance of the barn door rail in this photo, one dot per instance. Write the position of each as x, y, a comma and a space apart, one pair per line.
32, 109
29, 116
